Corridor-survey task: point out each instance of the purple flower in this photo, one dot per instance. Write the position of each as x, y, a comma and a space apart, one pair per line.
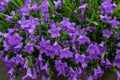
107, 33
24, 11
83, 8
11, 31
19, 59
32, 38
45, 68
29, 48
57, 3
72, 74
82, 59
61, 67
81, 17
14, 40
57, 48
93, 50
108, 63
56, 13
34, 73
118, 44
105, 18
35, 6
44, 7
54, 31
10, 72
66, 53
27, 2
67, 25
0, 40
98, 72
117, 61
13, 43
28, 25
74, 13
25, 66
118, 51
83, 32
46, 16
118, 75
44, 77
101, 46
114, 23
44, 46
91, 28
28, 75
54, 50
83, 40
108, 7
9, 62
9, 18
17, 48
89, 78
3, 4
117, 34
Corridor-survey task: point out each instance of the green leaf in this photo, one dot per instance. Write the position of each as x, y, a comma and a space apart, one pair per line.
115, 12
2, 16
12, 1
20, 2
51, 6
95, 23
40, 1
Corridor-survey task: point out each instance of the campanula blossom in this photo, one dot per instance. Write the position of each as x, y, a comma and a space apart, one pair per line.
54, 31
107, 33
29, 75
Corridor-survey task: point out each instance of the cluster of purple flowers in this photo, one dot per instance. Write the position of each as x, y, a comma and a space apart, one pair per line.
38, 43
3, 4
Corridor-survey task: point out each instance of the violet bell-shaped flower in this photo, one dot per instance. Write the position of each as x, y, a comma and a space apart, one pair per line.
44, 7
66, 53
114, 23
29, 48
107, 33
29, 75
25, 66
10, 72
98, 72
118, 75
83, 8
54, 31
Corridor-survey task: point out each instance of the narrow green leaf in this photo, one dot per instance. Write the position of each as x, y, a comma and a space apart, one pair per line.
2, 16
12, 1
40, 1
116, 10
20, 2
51, 6
68, 8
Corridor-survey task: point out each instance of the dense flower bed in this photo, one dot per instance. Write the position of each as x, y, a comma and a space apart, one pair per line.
75, 38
